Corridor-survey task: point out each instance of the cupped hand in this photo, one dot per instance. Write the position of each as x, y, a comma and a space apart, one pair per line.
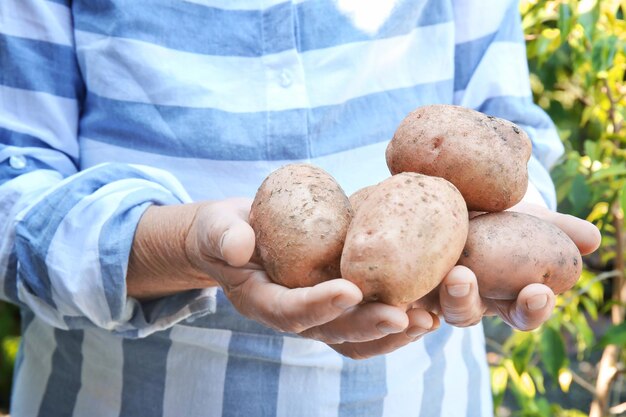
458, 300
220, 243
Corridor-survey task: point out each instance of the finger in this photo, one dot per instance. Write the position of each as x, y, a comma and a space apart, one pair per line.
584, 234
363, 323
533, 307
291, 310
420, 323
461, 304
221, 231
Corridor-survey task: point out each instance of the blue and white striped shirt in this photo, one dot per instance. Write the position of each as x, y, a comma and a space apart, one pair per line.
107, 107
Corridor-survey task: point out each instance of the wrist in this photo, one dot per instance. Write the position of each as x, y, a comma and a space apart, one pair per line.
160, 263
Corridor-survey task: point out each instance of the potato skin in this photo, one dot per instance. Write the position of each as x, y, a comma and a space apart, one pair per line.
359, 196
300, 216
483, 156
539, 251
404, 238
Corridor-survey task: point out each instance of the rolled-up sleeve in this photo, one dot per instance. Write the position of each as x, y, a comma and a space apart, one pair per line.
491, 75
66, 233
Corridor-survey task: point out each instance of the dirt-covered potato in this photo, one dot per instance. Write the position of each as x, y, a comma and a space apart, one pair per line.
404, 238
483, 156
300, 216
539, 252
359, 196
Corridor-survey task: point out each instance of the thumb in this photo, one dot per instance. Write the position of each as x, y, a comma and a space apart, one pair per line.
237, 243
220, 231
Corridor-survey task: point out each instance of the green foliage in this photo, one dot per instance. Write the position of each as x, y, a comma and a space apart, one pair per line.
615, 335
577, 60
9, 342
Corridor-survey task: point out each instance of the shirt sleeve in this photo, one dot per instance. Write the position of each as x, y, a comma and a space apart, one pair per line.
491, 76
66, 233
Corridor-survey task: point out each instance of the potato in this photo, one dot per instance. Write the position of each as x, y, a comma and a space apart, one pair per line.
300, 216
359, 196
538, 251
483, 156
404, 238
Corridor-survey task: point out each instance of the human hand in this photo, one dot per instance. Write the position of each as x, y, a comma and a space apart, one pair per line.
220, 244
458, 300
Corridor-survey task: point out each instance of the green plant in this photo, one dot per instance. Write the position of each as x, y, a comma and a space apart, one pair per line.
9, 342
577, 58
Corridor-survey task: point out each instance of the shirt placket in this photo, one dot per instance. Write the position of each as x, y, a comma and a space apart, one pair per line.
286, 91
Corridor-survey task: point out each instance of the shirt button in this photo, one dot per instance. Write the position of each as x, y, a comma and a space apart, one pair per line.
17, 162
285, 79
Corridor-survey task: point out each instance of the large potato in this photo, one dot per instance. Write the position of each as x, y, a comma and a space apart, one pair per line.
529, 249
483, 156
300, 216
404, 238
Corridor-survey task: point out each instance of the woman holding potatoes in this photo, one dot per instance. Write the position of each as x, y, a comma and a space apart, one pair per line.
134, 136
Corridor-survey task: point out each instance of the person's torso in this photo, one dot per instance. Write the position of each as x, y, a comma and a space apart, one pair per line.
222, 93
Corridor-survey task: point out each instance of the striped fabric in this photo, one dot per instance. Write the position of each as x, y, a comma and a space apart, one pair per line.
109, 106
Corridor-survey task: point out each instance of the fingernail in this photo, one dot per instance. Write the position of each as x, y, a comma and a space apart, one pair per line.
416, 331
458, 290
537, 302
343, 302
388, 328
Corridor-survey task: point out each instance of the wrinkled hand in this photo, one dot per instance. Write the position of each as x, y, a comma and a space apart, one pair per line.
458, 300
220, 243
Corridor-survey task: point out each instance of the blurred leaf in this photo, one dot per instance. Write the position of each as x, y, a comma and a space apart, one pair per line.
570, 413
591, 150
604, 173
602, 54
563, 189
584, 334
598, 211
537, 375
526, 385
499, 379
522, 353
588, 21
544, 408
552, 351
579, 195
615, 335
565, 379
606, 307
587, 111
590, 307
10, 346
565, 20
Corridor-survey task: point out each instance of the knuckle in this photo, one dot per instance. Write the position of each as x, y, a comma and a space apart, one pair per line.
283, 323
280, 317
462, 316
